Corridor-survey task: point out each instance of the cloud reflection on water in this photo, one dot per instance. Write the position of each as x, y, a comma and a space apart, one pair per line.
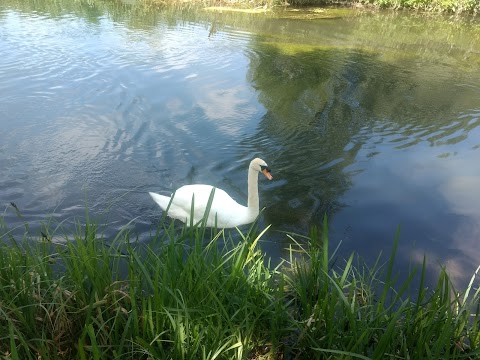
352, 127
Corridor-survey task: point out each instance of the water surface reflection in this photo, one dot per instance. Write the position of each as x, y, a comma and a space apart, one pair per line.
105, 101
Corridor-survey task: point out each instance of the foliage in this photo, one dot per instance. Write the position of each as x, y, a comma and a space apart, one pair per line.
450, 6
148, 8
181, 297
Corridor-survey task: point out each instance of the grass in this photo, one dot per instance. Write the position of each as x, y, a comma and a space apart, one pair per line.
197, 293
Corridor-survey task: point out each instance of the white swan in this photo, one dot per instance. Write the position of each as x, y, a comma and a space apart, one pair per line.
224, 211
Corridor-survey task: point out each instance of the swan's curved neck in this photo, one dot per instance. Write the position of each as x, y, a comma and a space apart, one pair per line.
253, 202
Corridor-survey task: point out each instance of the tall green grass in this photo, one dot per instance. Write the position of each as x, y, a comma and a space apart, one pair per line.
197, 293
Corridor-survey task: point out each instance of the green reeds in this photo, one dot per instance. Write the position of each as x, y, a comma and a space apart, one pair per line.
198, 293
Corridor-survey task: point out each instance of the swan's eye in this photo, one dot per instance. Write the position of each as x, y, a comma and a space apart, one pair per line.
263, 167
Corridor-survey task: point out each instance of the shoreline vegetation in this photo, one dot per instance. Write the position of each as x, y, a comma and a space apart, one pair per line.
259, 6
198, 293
330, 8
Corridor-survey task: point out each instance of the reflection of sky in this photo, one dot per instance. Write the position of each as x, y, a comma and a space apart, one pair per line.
89, 104
433, 193
461, 189
115, 109
230, 107
214, 80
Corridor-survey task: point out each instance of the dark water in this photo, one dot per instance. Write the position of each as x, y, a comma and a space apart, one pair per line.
371, 118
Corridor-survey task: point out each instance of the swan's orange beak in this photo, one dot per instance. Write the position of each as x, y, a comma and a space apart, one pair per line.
267, 174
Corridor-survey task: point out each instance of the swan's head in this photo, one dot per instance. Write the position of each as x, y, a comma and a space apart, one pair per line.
260, 165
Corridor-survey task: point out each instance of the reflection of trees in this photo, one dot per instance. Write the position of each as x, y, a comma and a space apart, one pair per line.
310, 122
323, 104
85, 9
137, 15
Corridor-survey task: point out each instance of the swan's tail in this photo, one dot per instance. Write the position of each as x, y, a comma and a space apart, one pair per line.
161, 200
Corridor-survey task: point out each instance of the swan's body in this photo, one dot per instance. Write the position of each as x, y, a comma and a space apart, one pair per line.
224, 211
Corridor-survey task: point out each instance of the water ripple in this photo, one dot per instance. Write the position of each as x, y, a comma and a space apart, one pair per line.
97, 106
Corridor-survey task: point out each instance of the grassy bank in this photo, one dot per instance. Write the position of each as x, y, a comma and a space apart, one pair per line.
197, 294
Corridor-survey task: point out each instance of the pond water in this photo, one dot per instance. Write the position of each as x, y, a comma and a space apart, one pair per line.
371, 118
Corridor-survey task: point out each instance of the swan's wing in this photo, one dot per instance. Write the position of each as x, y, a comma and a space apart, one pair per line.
222, 211
225, 212
201, 193
184, 195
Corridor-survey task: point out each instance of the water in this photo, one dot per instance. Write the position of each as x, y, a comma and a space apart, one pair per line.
371, 118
